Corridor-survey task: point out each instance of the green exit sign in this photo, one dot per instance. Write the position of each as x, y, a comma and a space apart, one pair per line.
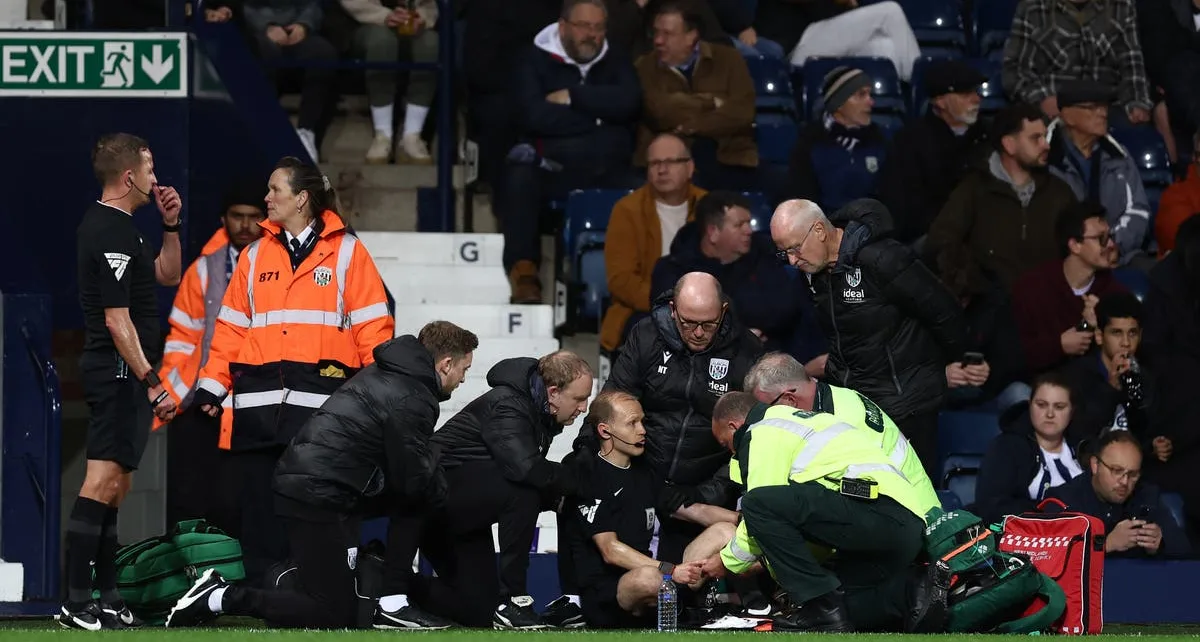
93, 65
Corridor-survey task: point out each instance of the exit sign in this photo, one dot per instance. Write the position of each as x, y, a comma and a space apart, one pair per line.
93, 65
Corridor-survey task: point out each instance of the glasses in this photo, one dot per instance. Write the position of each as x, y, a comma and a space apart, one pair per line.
667, 162
690, 326
589, 27
1102, 239
785, 392
1131, 475
785, 254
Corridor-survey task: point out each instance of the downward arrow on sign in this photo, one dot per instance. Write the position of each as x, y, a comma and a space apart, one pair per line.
157, 68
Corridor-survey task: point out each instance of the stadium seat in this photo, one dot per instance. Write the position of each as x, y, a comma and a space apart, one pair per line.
594, 279
959, 474
965, 433
760, 210
772, 85
887, 92
949, 500
1136, 281
938, 25
587, 213
1174, 504
889, 123
1147, 148
776, 134
993, 22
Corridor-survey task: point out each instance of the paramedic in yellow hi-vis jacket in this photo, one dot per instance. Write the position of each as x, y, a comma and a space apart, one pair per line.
811, 478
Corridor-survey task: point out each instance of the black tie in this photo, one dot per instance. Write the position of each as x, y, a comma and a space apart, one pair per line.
295, 246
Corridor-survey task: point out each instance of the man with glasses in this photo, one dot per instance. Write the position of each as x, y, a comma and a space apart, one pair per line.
892, 326
690, 350
1054, 304
1135, 519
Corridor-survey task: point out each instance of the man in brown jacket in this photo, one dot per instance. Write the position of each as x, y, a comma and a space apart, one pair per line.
702, 91
640, 231
1005, 211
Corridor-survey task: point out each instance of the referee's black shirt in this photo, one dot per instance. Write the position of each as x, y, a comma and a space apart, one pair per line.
116, 270
626, 506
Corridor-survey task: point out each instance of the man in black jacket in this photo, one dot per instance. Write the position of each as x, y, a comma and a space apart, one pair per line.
690, 350
494, 455
1171, 43
892, 326
363, 453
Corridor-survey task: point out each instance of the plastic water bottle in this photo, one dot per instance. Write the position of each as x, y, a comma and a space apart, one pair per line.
668, 605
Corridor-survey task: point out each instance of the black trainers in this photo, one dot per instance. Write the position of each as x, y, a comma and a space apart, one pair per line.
409, 618
86, 617
118, 616
192, 609
517, 613
564, 614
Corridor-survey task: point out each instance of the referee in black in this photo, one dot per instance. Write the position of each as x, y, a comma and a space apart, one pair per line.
117, 276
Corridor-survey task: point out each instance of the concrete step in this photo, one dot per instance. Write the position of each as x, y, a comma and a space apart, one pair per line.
488, 322
452, 285
418, 250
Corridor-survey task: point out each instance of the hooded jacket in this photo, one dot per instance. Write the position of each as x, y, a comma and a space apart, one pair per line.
510, 425
1012, 462
678, 389
892, 325
370, 438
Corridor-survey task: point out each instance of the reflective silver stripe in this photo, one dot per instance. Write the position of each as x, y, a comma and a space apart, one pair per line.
213, 386
181, 318
740, 553
227, 402
899, 451
345, 254
233, 317
179, 346
180, 388
815, 440
369, 313
202, 272
251, 255
856, 470
276, 397
310, 317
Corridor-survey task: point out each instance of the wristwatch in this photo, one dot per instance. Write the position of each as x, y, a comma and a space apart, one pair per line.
666, 568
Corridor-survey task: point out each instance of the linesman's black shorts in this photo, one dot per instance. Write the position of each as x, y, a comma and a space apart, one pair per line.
601, 610
121, 416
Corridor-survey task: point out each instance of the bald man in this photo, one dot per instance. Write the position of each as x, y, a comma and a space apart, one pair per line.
892, 325
678, 361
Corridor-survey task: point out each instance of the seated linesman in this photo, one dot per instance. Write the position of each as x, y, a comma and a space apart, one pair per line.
607, 540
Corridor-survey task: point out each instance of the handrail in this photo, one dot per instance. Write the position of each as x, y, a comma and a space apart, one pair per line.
52, 452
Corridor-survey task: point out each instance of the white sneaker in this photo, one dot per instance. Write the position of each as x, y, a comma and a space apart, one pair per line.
414, 150
309, 140
380, 150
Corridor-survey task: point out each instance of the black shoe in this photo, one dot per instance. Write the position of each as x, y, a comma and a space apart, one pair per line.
564, 614
192, 609
86, 617
118, 616
517, 613
824, 614
757, 605
409, 618
928, 588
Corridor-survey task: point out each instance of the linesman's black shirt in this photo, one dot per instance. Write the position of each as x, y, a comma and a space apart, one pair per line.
626, 507
116, 270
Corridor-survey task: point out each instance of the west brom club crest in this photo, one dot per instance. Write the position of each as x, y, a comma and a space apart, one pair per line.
718, 368
322, 276
854, 278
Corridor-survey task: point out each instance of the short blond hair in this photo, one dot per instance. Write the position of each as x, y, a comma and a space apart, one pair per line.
561, 367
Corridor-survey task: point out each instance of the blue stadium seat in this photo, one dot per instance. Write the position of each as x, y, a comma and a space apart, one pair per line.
965, 432
760, 211
887, 92
993, 22
949, 500
1147, 148
1135, 281
594, 279
1174, 504
776, 134
959, 474
772, 85
889, 123
587, 213
938, 24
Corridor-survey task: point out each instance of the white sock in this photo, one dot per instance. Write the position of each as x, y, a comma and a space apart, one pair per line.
574, 599
214, 599
381, 117
392, 603
414, 118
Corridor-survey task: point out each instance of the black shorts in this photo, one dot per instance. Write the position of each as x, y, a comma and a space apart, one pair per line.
121, 416
602, 611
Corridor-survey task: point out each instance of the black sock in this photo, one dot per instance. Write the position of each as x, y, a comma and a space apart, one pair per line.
106, 556
83, 543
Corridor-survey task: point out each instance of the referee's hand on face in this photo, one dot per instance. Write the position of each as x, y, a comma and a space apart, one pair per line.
169, 204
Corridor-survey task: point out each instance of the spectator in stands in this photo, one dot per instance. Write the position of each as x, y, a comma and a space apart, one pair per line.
219, 10
991, 335
288, 29
892, 327
816, 28
640, 231
1116, 392
1052, 301
701, 91
721, 21
576, 102
837, 158
1032, 453
1096, 166
1005, 210
775, 306
1171, 44
932, 154
690, 350
1137, 523
1053, 41
1179, 202
383, 30
1171, 346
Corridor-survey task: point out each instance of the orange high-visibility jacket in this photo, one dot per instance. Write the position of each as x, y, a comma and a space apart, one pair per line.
285, 340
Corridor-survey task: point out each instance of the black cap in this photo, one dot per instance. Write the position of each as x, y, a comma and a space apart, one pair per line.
951, 77
1084, 92
245, 192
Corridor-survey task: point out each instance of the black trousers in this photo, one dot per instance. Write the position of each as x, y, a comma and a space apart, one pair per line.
458, 543
196, 473
324, 594
921, 432
876, 541
319, 88
263, 534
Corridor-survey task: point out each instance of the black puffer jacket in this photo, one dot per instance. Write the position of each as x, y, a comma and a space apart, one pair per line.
370, 437
678, 389
511, 425
892, 326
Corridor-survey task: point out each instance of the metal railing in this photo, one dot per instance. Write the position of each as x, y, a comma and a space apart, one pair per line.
49, 492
